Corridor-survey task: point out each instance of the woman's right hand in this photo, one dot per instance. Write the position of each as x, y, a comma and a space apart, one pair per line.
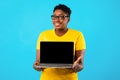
37, 67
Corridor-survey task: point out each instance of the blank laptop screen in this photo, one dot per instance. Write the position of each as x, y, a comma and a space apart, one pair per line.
56, 52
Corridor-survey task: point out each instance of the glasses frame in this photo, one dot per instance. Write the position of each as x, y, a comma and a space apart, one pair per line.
58, 17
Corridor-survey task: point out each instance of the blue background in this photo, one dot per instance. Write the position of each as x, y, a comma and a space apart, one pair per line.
21, 21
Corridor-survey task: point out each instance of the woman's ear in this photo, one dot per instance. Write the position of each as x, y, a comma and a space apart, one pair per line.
68, 19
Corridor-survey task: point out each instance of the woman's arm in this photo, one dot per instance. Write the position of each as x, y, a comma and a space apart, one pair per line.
37, 55
37, 62
78, 64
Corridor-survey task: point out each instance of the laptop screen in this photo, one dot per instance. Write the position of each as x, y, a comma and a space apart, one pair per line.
56, 52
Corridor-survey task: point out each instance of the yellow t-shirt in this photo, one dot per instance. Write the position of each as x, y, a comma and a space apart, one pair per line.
60, 73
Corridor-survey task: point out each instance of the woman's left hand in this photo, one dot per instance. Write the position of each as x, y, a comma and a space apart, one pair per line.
77, 66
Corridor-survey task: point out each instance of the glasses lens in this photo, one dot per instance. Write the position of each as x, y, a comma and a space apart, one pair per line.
60, 17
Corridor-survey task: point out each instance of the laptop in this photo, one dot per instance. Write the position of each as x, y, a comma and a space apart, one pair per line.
56, 54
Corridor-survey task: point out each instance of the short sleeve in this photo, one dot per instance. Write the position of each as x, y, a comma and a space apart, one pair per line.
40, 38
80, 42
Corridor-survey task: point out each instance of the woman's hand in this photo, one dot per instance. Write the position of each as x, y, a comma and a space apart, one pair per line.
37, 67
78, 65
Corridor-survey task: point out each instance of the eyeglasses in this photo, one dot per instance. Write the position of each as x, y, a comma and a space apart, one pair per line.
59, 17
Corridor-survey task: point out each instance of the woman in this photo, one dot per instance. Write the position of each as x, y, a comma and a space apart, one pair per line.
60, 19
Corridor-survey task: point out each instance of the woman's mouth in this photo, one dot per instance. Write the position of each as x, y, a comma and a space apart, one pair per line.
57, 24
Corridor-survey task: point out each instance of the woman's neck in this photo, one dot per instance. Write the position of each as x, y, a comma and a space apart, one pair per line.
61, 32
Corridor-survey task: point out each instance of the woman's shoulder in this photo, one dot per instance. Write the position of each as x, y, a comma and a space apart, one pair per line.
47, 31
75, 31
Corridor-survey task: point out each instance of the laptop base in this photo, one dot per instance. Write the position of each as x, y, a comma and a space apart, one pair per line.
55, 65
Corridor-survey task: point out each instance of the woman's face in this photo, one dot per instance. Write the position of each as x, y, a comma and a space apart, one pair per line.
60, 19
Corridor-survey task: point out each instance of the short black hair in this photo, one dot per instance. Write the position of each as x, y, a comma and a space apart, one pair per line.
64, 8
